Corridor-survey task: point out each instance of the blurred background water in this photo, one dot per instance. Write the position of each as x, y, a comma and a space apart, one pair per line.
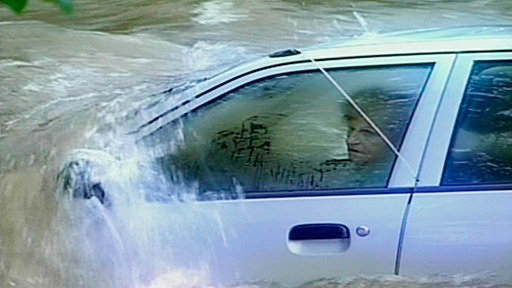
68, 81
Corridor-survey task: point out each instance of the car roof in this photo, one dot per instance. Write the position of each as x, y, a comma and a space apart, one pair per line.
436, 40
421, 35
412, 42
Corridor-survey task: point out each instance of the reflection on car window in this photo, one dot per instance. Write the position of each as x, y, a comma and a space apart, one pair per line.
293, 132
480, 150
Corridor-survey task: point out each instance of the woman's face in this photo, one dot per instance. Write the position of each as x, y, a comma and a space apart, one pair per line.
364, 144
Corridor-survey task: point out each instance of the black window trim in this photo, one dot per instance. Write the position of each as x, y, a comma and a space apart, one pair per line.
327, 192
470, 188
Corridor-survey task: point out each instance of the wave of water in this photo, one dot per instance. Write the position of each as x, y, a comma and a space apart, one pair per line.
67, 84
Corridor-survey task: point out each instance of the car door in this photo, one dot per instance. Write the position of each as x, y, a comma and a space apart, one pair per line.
299, 179
460, 220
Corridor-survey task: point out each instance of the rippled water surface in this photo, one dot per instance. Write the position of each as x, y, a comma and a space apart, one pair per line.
68, 81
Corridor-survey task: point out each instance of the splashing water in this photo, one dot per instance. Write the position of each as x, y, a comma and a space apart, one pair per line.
64, 92
126, 241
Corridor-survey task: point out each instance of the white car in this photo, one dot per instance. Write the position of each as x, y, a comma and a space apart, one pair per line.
387, 154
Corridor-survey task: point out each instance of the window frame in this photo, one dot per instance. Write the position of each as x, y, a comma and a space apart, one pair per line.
438, 146
402, 175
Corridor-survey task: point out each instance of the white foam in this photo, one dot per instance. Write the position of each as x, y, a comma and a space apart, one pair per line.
217, 12
180, 279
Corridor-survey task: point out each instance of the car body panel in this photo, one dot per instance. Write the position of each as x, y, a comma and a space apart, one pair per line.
470, 233
416, 139
256, 245
461, 229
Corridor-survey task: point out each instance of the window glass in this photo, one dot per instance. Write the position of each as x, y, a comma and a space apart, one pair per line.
293, 132
480, 151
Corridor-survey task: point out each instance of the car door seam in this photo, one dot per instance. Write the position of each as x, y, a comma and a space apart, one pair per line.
407, 209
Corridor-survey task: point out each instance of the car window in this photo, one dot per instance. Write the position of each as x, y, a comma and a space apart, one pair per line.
480, 150
293, 132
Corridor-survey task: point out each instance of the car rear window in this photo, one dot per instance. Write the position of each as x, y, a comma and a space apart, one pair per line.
293, 132
480, 150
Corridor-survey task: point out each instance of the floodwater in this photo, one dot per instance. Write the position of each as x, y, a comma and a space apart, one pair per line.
67, 82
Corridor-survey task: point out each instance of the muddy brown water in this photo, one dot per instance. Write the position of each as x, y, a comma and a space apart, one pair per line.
67, 81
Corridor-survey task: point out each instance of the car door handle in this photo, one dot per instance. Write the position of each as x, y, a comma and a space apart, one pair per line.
321, 231
318, 239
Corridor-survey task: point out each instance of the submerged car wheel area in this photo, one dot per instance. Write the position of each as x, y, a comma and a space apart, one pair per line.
386, 155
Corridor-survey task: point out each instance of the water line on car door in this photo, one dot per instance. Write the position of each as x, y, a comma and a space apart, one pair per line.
364, 115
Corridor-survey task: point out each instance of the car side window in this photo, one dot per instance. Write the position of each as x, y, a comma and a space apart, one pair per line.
294, 132
480, 150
